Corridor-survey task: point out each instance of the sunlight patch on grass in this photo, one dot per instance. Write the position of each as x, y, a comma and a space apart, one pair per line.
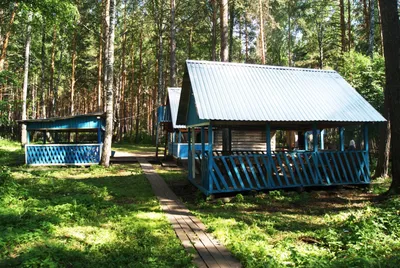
83, 217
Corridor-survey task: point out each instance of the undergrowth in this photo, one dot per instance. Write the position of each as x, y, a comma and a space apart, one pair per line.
82, 217
338, 227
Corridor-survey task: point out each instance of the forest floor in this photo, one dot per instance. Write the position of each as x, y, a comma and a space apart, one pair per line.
333, 227
81, 217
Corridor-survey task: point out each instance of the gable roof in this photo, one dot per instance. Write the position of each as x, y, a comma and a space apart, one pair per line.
249, 92
174, 95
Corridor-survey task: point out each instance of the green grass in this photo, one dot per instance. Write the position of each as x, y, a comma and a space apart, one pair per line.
130, 147
333, 228
81, 217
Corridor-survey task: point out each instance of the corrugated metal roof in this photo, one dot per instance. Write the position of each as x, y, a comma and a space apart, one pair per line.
174, 95
247, 92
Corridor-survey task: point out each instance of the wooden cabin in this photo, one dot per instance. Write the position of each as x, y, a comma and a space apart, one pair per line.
56, 147
246, 98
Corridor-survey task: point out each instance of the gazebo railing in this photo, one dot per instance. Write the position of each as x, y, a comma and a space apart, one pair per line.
258, 171
63, 154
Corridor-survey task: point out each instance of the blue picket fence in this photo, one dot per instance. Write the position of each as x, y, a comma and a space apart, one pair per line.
245, 171
60, 154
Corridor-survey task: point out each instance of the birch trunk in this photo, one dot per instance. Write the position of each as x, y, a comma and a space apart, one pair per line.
110, 17
26, 79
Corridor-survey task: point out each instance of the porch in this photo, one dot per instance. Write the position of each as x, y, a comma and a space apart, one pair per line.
216, 171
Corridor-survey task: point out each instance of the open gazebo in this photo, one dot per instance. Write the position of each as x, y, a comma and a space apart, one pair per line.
58, 152
245, 97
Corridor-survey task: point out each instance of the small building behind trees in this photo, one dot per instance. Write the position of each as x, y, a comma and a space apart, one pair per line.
245, 98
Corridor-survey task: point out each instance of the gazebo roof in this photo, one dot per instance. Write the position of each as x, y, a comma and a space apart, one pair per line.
83, 122
220, 91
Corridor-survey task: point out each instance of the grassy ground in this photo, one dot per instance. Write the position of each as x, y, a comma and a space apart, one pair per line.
133, 148
342, 227
81, 217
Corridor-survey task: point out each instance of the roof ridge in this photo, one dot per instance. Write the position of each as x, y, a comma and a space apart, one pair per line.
260, 66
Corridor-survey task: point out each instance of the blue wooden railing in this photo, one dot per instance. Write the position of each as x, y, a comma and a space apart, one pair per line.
60, 154
243, 171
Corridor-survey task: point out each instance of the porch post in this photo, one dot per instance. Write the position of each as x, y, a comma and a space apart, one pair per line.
99, 132
194, 154
210, 157
341, 138
189, 153
322, 133
315, 138
28, 137
179, 136
269, 153
44, 137
366, 146
203, 145
306, 140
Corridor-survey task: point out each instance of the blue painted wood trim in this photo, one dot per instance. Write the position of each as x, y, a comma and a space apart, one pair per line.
229, 172
233, 163
210, 155
63, 154
269, 153
366, 144
219, 174
341, 138
189, 153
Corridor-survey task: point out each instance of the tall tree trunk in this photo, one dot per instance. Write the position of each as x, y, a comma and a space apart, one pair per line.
342, 26
260, 5
349, 24
214, 30
226, 141
289, 34
52, 67
7, 38
231, 25
26, 79
224, 30
382, 167
105, 159
99, 70
240, 37
72, 100
42, 82
391, 41
132, 86
122, 120
246, 32
55, 93
190, 43
137, 121
366, 15
106, 25
33, 96
172, 60
371, 36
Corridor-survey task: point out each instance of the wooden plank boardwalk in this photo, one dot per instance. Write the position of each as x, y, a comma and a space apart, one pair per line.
206, 251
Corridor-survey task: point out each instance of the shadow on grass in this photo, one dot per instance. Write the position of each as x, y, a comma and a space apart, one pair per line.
112, 220
12, 157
